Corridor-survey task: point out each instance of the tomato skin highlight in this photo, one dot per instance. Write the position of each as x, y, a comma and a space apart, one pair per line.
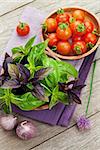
22, 29
89, 26
76, 38
79, 15
63, 48
64, 34
79, 47
90, 38
52, 39
51, 24
62, 18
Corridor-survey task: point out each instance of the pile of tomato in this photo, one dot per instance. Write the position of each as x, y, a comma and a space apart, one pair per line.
70, 33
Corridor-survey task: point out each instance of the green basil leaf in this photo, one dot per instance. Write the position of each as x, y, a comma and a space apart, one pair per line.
6, 109
39, 51
1, 92
31, 64
63, 98
58, 96
65, 67
29, 44
54, 76
17, 49
17, 57
28, 102
54, 98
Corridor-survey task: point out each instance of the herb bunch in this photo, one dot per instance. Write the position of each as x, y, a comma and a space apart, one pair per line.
30, 79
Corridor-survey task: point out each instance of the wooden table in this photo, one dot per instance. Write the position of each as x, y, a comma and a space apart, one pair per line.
53, 138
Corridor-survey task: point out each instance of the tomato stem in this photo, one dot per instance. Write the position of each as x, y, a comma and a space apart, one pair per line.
95, 32
60, 11
72, 20
81, 27
44, 27
78, 49
63, 25
21, 25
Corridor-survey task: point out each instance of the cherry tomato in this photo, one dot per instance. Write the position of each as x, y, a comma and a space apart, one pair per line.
90, 38
89, 26
22, 29
76, 38
52, 39
78, 28
79, 15
79, 47
51, 24
64, 48
62, 16
63, 32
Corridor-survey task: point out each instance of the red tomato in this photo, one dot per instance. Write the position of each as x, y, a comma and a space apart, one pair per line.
90, 38
23, 29
63, 32
76, 38
52, 39
79, 15
64, 48
62, 18
79, 47
51, 24
89, 26
78, 28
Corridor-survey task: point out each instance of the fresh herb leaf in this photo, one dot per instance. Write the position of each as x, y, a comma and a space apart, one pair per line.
24, 72
71, 89
67, 68
29, 44
39, 92
9, 84
58, 96
17, 49
42, 73
27, 102
13, 71
7, 60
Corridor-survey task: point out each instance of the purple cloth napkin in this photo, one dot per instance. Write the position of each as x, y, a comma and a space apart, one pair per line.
60, 114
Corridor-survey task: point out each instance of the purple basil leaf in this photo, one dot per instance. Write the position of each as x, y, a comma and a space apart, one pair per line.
13, 71
75, 97
39, 92
71, 82
7, 60
78, 87
70, 97
24, 72
13, 83
63, 86
42, 73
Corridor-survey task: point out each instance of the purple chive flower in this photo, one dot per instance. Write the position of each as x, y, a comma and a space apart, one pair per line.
83, 123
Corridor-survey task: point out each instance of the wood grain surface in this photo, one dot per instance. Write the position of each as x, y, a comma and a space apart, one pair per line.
49, 137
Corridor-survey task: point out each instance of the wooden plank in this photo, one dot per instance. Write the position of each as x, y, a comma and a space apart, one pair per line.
8, 6
45, 132
72, 139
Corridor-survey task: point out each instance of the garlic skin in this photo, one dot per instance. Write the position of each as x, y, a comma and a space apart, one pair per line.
8, 122
26, 130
